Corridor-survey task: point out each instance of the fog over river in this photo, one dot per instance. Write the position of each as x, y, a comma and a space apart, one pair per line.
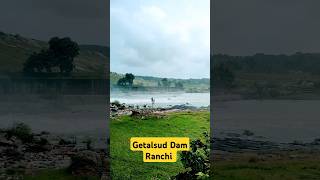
162, 99
278, 120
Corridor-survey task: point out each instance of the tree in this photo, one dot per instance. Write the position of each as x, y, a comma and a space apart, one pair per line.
64, 50
122, 82
129, 77
165, 82
60, 54
38, 62
127, 80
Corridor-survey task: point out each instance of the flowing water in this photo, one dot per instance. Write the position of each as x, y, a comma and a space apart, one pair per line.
162, 99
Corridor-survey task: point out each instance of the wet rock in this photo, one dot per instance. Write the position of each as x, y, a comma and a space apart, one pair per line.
135, 113
85, 163
5, 142
13, 154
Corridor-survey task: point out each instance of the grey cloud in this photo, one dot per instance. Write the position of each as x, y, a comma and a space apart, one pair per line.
268, 26
86, 21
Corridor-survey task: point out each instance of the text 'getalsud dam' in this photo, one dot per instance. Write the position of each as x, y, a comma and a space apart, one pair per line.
159, 149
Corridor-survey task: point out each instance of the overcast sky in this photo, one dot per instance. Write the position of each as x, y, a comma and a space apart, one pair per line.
246, 27
167, 38
85, 21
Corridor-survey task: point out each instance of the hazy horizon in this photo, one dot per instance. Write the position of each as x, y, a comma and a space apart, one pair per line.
142, 75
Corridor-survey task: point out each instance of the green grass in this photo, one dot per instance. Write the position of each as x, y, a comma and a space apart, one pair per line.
275, 170
126, 164
56, 175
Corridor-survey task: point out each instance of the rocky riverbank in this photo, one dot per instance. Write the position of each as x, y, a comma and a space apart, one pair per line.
119, 109
236, 146
25, 153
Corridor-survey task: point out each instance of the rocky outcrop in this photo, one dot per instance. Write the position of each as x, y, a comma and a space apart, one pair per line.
48, 152
141, 112
89, 163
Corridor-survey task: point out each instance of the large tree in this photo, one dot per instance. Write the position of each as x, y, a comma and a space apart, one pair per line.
129, 77
60, 54
64, 50
127, 80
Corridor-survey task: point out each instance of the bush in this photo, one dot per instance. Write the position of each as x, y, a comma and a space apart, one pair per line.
196, 161
21, 131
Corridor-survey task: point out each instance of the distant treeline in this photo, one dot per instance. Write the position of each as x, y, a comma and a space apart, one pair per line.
264, 63
155, 83
265, 76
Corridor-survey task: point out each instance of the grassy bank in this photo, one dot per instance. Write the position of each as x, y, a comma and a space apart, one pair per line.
126, 164
276, 170
56, 174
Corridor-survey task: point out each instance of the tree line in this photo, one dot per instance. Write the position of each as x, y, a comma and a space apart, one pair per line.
264, 63
127, 81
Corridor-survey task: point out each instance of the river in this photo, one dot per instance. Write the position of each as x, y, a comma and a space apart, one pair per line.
279, 120
162, 99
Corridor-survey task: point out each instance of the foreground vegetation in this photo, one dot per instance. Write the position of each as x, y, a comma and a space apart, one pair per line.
276, 170
126, 164
57, 174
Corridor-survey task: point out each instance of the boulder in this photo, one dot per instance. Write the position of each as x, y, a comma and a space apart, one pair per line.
85, 163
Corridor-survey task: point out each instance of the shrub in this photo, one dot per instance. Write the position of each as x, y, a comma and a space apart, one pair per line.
196, 161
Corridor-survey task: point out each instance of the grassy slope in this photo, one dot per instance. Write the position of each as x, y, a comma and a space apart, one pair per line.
129, 165
14, 50
148, 81
275, 170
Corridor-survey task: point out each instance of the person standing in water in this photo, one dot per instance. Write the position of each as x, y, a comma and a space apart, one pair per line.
152, 101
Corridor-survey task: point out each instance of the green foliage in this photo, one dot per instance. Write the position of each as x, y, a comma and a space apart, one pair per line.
275, 170
60, 54
127, 164
21, 131
196, 161
127, 80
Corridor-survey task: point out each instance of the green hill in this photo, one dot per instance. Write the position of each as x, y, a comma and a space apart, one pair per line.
15, 49
190, 85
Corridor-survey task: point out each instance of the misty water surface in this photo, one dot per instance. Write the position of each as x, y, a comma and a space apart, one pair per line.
162, 99
277, 120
